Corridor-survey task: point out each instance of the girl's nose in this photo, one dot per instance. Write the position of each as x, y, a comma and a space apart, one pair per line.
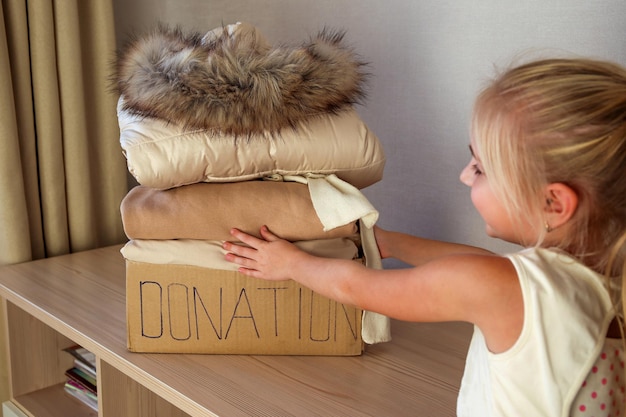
467, 174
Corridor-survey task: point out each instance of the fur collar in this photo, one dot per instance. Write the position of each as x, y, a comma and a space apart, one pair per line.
231, 80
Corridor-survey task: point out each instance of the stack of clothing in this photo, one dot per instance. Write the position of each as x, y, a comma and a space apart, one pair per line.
223, 130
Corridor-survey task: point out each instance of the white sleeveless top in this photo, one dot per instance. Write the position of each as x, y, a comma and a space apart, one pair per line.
567, 311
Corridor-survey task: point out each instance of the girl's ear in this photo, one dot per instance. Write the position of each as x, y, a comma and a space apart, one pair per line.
561, 204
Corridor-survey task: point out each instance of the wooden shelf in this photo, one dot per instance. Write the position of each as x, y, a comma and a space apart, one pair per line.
80, 298
53, 401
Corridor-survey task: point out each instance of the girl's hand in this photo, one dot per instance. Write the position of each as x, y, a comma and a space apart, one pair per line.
270, 258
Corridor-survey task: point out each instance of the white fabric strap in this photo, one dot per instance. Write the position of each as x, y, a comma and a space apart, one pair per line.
375, 327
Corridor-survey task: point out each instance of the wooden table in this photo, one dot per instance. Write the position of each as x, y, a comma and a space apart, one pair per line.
80, 298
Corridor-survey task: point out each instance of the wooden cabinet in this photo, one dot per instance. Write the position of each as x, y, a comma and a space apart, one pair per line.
54, 303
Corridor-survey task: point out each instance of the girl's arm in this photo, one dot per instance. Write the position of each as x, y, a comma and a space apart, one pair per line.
415, 250
476, 287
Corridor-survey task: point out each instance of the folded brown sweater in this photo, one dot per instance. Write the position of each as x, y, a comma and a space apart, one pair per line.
208, 211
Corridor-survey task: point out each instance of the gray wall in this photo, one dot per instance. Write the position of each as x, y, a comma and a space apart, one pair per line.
428, 59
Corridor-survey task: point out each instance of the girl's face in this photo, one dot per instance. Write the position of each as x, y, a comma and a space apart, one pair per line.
498, 222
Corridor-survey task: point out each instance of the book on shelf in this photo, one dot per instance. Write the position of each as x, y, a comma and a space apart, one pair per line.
89, 371
82, 379
85, 396
82, 382
83, 357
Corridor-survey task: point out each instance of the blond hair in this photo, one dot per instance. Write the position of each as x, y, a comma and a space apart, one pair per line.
561, 121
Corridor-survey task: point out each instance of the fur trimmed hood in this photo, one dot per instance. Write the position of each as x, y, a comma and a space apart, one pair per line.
231, 80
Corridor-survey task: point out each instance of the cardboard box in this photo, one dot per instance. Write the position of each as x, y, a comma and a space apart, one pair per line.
187, 309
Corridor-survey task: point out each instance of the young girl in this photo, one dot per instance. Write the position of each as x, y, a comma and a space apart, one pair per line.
547, 172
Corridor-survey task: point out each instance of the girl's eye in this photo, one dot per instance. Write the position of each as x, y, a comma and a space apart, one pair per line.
476, 169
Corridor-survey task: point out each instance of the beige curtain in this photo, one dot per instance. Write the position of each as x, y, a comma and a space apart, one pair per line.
62, 173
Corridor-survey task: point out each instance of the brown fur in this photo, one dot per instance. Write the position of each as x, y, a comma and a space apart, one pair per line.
235, 82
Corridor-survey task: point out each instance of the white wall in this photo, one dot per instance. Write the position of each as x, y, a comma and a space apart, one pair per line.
428, 59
